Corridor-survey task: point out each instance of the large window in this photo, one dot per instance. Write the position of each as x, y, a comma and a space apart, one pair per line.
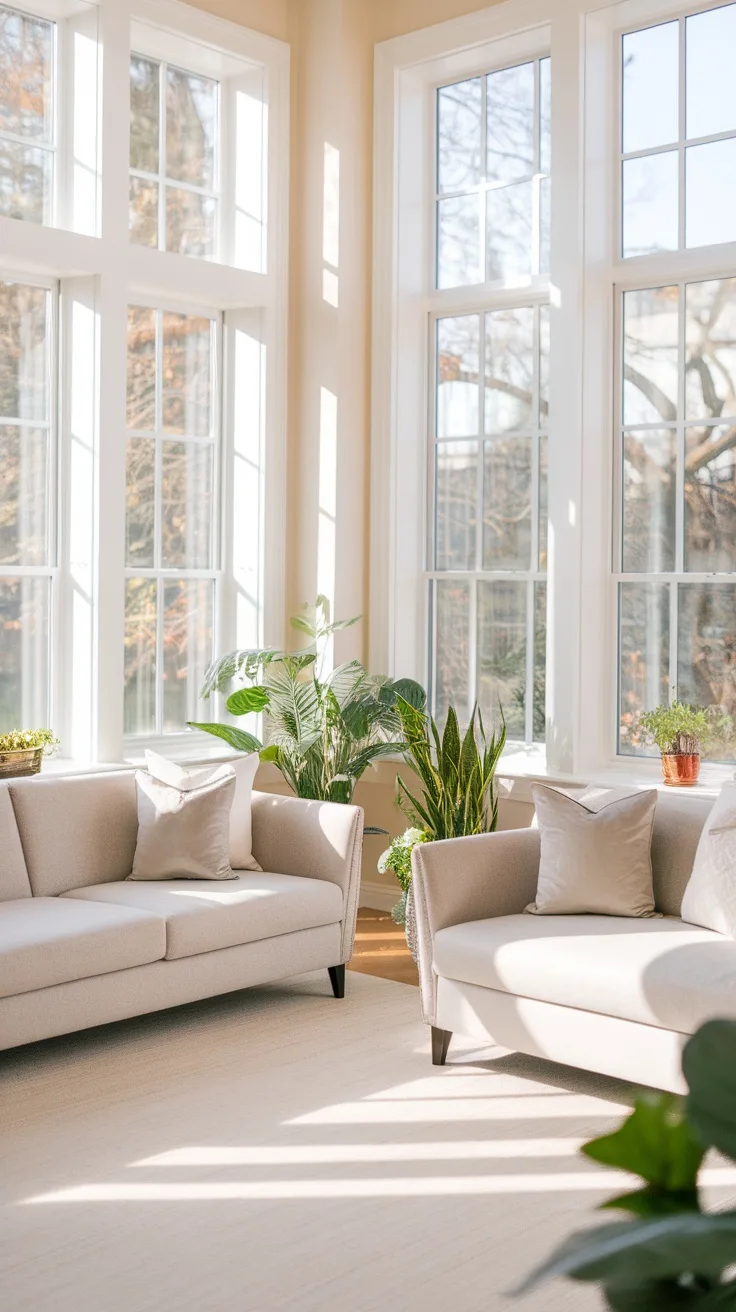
27, 518
136, 503
174, 135
675, 548
172, 516
487, 549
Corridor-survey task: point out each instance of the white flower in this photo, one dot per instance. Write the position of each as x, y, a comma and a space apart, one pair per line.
383, 858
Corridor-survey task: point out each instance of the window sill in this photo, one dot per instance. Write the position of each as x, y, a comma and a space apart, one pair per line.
520, 767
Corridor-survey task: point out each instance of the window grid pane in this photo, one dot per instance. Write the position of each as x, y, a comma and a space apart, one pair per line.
677, 514
490, 453
171, 520
27, 143
493, 163
27, 511
678, 161
174, 146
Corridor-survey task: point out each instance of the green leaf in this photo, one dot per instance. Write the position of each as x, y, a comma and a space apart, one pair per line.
270, 753
656, 1296
247, 700
655, 1142
709, 1066
630, 1252
411, 692
237, 738
345, 679
653, 1202
245, 663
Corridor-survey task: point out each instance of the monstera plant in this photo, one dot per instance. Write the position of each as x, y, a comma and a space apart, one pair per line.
671, 1254
324, 730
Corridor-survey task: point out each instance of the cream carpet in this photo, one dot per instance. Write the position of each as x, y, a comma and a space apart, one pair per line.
277, 1149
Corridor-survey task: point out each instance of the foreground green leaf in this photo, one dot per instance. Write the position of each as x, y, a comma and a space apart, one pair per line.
632, 1252
657, 1143
709, 1066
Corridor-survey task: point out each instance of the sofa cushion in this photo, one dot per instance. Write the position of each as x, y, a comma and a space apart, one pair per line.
45, 941
14, 881
202, 916
184, 833
659, 972
78, 830
595, 853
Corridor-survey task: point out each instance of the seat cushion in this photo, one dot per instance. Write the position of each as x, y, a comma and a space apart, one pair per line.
659, 972
45, 941
202, 916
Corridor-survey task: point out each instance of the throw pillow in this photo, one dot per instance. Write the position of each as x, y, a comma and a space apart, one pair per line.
183, 833
710, 897
245, 768
595, 852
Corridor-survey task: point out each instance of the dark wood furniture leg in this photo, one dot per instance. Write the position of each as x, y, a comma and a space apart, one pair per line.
337, 980
440, 1044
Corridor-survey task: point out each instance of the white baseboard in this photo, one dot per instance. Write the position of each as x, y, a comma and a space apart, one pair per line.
380, 897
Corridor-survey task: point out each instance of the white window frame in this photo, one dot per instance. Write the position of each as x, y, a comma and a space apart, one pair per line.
103, 275
580, 36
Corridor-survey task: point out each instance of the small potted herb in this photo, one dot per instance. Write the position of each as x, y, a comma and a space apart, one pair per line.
22, 750
679, 731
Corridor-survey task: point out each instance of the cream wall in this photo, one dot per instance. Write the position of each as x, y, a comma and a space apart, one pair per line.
332, 45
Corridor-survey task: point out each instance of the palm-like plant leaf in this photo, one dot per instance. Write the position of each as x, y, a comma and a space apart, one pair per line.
245, 663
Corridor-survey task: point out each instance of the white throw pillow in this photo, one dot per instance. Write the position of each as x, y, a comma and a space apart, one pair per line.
710, 897
245, 769
595, 853
183, 833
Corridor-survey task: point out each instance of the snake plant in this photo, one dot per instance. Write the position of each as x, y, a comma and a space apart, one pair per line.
457, 774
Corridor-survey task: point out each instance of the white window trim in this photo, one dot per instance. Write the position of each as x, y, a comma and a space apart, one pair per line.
581, 646
115, 273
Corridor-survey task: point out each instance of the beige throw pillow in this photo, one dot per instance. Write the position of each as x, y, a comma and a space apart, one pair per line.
595, 852
710, 896
245, 768
184, 833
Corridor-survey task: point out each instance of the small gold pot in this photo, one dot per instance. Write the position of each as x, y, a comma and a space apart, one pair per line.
681, 771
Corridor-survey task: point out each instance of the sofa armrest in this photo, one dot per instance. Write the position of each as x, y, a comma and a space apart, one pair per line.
314, 840
462, 879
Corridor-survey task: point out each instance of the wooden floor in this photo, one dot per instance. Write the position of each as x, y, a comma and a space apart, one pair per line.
380, 948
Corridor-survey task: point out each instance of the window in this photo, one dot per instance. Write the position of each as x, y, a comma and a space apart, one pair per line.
487, 548
174, 152
678, 134
27, 128
141, 470
675, 554
172, 516
27, 522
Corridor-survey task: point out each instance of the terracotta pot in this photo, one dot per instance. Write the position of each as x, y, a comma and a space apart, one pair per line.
681, 771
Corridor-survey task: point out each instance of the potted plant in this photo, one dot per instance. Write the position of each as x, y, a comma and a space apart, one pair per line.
22, 751
324, 730
458, 795
397, 858
670, 1253
679, 731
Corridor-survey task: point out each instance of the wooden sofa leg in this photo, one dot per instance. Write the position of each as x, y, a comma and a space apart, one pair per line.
337, 980
440, 1044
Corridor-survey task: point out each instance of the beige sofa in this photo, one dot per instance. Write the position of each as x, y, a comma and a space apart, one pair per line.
80, 947
602, 993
